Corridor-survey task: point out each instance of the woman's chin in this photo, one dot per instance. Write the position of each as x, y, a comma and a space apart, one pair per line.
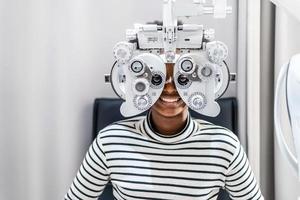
169, 110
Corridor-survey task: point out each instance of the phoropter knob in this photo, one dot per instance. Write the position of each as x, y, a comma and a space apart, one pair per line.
217, 51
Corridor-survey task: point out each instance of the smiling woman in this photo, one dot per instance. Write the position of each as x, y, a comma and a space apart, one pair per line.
165, 155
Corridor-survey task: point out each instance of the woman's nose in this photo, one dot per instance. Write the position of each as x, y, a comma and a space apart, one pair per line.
170, 87
169, 84
169, 79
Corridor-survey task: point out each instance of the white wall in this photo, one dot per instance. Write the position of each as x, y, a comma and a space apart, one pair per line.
287, 43
53, 54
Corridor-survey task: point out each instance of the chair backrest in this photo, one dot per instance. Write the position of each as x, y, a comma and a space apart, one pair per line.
107, 111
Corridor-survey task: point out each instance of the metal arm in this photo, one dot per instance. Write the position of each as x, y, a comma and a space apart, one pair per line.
170, 30
173, 10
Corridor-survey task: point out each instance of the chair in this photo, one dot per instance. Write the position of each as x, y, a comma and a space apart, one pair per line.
106, 111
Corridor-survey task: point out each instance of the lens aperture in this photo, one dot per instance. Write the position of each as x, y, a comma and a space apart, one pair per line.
156, 79
183, 80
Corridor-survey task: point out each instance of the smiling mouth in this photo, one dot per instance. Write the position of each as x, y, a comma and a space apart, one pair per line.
170, 99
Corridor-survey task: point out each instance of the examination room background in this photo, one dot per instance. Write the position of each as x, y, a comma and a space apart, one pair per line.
53, 57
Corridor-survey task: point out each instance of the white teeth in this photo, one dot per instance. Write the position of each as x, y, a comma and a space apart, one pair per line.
170, 100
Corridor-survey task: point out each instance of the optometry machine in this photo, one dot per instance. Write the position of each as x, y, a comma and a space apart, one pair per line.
201, 75
288, 86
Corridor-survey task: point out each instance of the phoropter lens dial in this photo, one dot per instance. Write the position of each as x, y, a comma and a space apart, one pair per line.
186, 66
137, 67
140, 86
206, 71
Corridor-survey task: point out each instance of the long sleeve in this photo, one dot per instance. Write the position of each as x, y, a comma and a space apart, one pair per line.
240, 180
92, 175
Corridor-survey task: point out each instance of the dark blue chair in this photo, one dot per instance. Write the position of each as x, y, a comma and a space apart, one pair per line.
107, 111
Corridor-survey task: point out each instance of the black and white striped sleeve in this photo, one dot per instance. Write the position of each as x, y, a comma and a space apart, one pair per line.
240, 180
92, 175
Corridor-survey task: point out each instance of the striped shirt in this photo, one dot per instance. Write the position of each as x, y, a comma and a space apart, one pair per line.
143, 164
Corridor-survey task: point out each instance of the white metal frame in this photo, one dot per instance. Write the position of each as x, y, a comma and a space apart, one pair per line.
248, 79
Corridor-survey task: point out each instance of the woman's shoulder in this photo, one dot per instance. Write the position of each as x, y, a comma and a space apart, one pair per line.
216, 132
125, 126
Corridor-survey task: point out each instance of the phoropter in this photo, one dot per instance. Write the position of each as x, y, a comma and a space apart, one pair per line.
200, 74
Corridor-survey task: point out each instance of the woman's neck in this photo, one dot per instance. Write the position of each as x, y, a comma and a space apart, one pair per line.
168, 125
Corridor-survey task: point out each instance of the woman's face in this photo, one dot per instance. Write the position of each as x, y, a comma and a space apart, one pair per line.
169, 103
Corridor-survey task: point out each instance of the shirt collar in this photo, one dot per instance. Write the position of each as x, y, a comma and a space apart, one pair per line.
185, 133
